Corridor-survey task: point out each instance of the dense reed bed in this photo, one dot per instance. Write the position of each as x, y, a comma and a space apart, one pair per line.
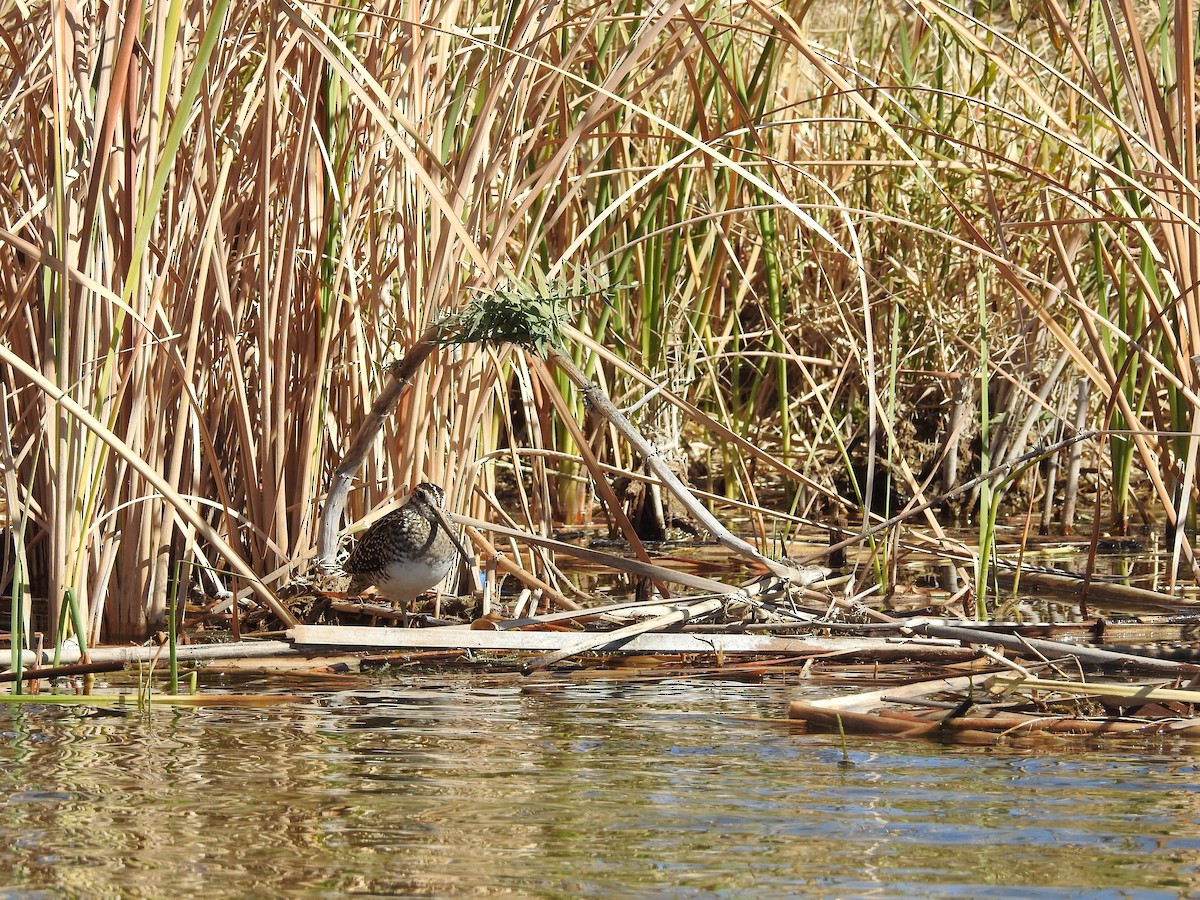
856, 253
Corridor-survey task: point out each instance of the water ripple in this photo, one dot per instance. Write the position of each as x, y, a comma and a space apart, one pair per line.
457, 785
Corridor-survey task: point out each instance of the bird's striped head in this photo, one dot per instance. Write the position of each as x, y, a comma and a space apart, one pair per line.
429, 493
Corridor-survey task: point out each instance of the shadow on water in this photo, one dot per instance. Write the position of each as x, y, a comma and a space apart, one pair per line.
451, 784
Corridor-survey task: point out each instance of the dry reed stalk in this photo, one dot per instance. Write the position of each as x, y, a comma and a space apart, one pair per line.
1074, 461
980, 729
1129, 662
1123, 694
179, 503
400, 377
62, 671
608, 560
506, 565
683, 612
213, 244
597, 401
267, 213
612, 504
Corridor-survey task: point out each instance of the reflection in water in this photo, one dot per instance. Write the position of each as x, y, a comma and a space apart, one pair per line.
455, 784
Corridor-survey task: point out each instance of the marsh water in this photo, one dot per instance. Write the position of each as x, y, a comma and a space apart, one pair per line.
446, 784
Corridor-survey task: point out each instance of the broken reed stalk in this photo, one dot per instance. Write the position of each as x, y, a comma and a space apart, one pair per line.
862, 702
400, 376
1087, 655
978, 729
188, 652
61, 671
632, 566
578, 616
1132, 694
677, 616
599, 402
647, 570
660, 642
1123, 596
697, 415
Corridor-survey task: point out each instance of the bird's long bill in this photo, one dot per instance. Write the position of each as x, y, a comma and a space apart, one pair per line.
445, 523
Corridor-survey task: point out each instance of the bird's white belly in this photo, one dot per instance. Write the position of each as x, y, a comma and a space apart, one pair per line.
403, 581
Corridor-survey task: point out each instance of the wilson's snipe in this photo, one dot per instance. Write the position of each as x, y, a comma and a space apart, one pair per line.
406, 552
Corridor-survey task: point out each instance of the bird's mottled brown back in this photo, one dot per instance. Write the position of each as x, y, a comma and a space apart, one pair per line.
407, 537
